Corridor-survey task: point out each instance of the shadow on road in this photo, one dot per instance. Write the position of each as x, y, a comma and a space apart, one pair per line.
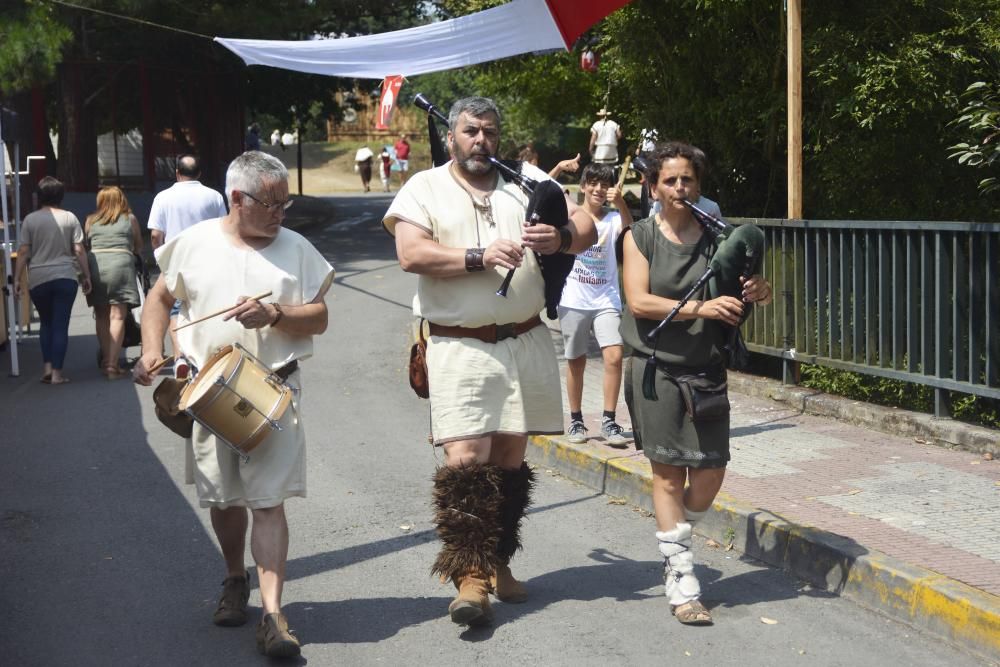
84, 504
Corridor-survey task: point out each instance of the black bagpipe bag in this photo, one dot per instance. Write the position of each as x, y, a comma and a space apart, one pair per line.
547, 205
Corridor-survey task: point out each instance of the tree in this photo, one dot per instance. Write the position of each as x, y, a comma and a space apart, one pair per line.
981, 120
32, 40
103, 62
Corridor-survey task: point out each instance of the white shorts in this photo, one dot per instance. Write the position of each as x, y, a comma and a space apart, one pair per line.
576, 325
276, 469
404, 165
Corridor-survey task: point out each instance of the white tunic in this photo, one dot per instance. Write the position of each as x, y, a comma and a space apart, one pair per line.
206, 272
477, 388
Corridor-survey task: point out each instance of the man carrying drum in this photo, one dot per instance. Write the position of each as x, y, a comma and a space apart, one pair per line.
492, 370
217, 265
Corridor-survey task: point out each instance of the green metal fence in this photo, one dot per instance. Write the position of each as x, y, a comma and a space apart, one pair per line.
913, 301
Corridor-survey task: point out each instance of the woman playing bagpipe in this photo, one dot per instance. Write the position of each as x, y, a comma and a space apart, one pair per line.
686, 288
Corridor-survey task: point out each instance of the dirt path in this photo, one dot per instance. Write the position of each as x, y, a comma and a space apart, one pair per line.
329, 168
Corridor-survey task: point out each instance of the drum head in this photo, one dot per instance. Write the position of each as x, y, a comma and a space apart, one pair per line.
214, 368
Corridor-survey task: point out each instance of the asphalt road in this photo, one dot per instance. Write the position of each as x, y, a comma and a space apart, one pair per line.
107, 559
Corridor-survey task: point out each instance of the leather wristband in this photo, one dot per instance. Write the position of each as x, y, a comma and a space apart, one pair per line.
280, 314
565, 239
474, 259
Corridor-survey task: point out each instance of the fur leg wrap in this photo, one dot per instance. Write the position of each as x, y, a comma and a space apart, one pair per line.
516, 490
692, 517
467, 502
680, 584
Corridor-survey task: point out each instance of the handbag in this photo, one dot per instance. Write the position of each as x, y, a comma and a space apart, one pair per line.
133, 332
705, 399
166, 401
418, 364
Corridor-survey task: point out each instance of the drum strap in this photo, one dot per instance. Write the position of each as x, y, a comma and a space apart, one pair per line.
285, 371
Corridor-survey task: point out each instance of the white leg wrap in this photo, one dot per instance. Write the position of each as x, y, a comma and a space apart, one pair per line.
680, 584
691, 516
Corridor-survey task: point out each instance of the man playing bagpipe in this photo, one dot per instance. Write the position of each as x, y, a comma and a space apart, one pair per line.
491, 363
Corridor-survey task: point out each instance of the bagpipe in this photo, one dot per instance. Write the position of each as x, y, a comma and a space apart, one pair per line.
739, 252
546, 205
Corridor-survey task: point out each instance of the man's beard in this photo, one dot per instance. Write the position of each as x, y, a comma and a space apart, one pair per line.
470, 165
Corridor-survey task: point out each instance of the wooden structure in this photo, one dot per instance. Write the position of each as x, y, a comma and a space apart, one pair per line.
358, 123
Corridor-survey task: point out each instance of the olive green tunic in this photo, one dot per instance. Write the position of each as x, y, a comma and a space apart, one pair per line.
112, 266
662, 428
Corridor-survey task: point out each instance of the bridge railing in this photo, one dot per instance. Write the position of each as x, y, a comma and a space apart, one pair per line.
913, 301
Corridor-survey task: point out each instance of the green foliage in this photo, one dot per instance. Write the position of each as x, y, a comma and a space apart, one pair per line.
980, 120
880, 93
899, 394
31, 41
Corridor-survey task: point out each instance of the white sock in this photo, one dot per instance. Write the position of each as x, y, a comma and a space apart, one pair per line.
680, 584
691, 516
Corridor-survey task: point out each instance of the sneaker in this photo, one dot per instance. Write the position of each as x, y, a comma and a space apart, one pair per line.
613, 434
274, 639
577, 432
232, 609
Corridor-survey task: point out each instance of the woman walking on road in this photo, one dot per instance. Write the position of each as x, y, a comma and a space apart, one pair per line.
114, 236
52, 238
664, 257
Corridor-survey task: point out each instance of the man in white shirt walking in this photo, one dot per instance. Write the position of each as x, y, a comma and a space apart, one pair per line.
604, 137
185, 203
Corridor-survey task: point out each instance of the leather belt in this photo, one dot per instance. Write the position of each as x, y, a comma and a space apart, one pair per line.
488, 333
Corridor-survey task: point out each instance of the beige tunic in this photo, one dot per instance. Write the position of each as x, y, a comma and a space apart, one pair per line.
206, 272
478, 388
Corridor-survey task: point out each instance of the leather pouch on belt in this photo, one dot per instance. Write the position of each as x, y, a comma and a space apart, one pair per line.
418, 365
704, 399
166, 399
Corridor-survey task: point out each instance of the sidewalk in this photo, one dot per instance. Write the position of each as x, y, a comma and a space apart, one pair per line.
906, 527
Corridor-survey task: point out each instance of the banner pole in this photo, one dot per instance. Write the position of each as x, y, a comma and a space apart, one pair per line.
8, 286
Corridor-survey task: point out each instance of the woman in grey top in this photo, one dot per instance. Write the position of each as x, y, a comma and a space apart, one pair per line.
664, 257
52, 238
114, 235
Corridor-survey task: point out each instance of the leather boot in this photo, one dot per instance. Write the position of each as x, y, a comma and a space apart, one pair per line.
506, 587
472, 604
516, 491
467, 502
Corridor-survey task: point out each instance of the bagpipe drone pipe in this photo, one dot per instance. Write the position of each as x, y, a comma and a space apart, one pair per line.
546, 205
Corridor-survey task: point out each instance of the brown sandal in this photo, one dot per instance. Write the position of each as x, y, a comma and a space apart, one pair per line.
692, 613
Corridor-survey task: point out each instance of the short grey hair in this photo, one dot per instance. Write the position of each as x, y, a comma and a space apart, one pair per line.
251, 171
477, 107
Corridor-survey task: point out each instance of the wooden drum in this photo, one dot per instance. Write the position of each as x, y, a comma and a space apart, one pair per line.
237, 398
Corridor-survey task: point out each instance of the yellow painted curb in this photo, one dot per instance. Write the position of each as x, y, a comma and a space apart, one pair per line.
947, 608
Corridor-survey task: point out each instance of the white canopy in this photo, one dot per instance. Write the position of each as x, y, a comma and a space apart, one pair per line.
521, 26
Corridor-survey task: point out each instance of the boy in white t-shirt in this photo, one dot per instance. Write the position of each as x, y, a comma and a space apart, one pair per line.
591, 301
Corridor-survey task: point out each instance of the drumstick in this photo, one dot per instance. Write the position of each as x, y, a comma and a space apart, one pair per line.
159, 364
224, 310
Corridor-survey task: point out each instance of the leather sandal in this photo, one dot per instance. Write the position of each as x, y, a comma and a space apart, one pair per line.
232, 609
692, 613
275, 639
113, 373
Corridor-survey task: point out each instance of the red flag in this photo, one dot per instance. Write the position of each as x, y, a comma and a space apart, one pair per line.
574, 17
390, 91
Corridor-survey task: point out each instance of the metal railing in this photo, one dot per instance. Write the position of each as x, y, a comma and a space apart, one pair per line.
912, 301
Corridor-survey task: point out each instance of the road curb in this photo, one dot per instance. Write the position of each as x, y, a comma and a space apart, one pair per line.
905, 423
917, 596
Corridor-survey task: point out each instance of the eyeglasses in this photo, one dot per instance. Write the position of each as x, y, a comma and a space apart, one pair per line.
271, 207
